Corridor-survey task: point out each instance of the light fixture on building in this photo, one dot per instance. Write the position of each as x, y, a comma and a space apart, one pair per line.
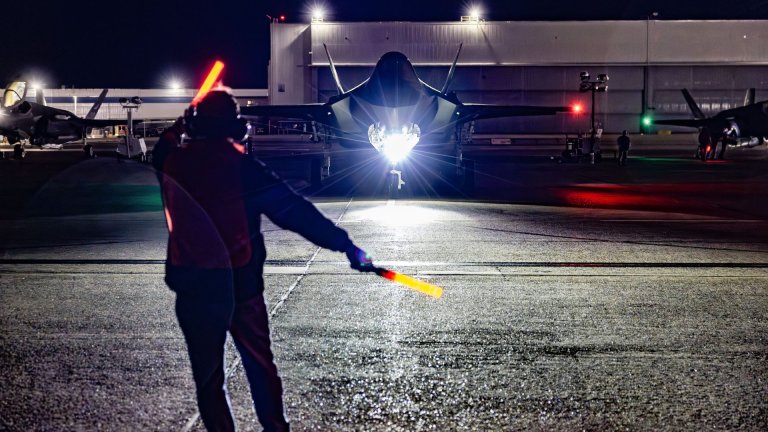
318, 15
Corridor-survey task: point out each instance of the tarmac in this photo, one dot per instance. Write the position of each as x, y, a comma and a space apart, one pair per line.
576, 297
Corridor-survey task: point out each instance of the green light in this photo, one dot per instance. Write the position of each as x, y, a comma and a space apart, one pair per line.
647, 121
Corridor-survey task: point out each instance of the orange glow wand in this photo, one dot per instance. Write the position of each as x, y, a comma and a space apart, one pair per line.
421, 286
210, 80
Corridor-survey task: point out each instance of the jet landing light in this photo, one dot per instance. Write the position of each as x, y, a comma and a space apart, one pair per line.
395, 146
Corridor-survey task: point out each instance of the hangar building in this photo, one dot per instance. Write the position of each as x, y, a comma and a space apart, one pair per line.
538, 63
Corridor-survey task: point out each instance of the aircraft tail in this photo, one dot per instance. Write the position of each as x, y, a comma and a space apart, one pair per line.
96, 105
333, 71
451, 71
749, 98
14, 93
40, 97
697, 113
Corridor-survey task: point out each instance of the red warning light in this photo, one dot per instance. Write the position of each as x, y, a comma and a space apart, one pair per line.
282, 18
577, 108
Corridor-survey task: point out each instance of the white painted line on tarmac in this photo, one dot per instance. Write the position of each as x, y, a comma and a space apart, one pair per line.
719, 220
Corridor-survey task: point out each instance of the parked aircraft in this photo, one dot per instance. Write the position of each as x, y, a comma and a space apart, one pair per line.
394, 111
745, 126
43, 125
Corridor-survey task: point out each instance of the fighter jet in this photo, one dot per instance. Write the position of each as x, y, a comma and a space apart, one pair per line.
43, 125
393, 111
745, 126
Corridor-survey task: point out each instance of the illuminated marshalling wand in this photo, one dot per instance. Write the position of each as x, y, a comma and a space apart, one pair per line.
210, 80
423, 287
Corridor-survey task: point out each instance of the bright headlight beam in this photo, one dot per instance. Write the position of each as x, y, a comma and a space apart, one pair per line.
395, 146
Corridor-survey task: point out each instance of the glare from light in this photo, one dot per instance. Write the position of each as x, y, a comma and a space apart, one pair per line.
36, 85
174, 85
398, 215
318, 14
395, 146
474, 13
577, 108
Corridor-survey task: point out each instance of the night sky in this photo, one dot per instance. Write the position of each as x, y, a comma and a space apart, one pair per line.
144, 44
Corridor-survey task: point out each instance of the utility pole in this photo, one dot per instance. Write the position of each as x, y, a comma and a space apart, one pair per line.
597, 85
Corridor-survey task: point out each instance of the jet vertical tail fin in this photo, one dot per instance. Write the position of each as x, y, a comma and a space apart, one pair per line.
40, 97
749, 98
333, 71
697, 113
96, 105
451, 71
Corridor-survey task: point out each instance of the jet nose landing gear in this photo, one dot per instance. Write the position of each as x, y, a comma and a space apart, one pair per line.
395, 182
18, 151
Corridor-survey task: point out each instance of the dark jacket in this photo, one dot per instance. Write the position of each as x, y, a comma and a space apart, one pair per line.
213, 197
623, 142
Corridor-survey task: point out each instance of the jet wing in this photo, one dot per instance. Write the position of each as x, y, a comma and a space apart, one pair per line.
100, 123
316, 112
692, 123
472, 111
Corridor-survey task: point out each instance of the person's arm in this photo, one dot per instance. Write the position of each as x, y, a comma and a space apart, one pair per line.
168, 141
291, 211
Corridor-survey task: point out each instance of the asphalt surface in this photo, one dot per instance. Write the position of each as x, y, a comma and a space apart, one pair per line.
576, 297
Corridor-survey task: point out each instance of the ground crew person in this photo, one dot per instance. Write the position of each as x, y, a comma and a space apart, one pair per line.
623, 143
213, 197
705, 143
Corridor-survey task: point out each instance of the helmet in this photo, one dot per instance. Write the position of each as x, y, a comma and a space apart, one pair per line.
216, 116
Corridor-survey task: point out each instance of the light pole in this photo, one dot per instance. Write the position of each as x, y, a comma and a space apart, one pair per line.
129, 105
645, 120
597, 85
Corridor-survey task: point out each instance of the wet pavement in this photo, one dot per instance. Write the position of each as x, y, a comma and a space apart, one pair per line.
556, 317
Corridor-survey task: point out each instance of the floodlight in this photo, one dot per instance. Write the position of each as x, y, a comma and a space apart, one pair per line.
318, 15
584, 76
602, 77
174, 84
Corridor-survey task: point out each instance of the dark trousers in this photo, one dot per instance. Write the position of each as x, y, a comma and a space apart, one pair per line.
623, 156
206, 310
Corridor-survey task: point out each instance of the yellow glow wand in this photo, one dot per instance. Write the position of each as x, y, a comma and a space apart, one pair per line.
210, 80
421, 286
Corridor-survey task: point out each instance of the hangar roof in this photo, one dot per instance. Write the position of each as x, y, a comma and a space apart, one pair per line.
544, 42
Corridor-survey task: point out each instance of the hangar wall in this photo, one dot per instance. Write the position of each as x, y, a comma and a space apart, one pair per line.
538, 63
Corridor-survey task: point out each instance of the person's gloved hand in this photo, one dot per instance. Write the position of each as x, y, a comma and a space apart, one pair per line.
359, 259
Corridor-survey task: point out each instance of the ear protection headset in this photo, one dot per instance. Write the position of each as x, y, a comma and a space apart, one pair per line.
216, 116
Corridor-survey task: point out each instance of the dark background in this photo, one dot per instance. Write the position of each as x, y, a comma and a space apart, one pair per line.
144, 44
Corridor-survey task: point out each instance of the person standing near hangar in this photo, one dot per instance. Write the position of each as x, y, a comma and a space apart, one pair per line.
213, 197
623, 142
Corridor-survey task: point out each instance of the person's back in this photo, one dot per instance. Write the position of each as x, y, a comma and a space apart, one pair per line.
623, 142
204, 197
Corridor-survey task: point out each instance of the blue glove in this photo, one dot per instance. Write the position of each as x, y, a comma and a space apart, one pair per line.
359, 259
